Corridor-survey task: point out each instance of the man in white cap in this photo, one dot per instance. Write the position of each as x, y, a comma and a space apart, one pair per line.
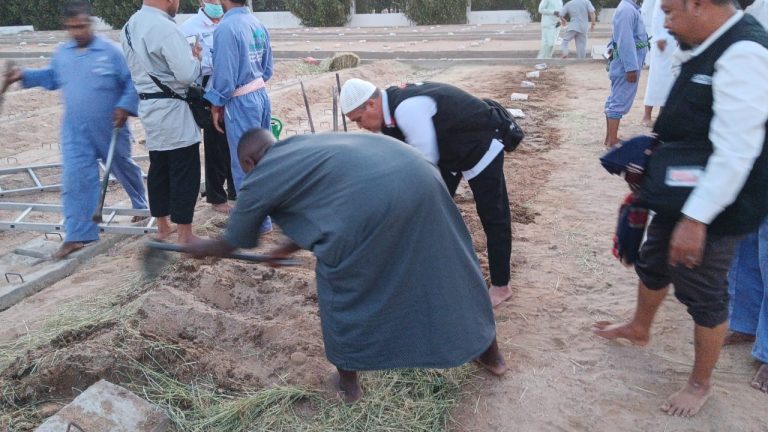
459, 134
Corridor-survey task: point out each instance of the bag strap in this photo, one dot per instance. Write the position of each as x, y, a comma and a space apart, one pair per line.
164, 88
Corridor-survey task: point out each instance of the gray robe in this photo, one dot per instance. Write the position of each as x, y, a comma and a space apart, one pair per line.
398, 282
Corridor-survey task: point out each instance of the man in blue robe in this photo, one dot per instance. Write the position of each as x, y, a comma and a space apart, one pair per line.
398, 282
98, 96
629, 44
242, 63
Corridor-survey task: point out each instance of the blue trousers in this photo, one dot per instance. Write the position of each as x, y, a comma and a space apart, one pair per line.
748, 287
80, 181
244, 113
622, 96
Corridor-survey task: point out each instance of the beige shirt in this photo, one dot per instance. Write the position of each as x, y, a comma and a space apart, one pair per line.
153, 44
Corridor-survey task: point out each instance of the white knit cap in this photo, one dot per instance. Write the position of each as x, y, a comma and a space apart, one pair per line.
354, 93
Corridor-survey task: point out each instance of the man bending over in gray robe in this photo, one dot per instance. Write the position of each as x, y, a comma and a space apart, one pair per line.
398, 282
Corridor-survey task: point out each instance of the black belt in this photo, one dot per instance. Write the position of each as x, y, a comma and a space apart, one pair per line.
160, 95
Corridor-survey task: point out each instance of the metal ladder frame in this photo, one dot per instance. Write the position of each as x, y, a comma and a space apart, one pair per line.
39, 187
106, 227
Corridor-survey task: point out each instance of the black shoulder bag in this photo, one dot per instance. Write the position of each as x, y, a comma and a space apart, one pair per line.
510, 132
673, 172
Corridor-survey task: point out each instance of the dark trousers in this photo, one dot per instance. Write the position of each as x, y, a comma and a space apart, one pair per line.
173, 182
492, 202
218, 167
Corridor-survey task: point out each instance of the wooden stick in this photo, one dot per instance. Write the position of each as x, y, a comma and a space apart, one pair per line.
338, 86
306, 104
335, 96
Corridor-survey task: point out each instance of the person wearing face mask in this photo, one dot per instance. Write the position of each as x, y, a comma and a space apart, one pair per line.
98, 95
217, 160
158, 54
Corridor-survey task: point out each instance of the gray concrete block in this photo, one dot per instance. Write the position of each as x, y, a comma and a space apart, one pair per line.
32, 262
107, 407
47, 275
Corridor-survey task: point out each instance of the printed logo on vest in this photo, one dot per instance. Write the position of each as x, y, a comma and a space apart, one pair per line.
683, 176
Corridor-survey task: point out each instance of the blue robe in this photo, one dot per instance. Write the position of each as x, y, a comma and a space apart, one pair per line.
241, 54
628, 32
94, 81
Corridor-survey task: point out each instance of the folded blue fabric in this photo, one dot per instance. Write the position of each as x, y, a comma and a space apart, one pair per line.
631, 155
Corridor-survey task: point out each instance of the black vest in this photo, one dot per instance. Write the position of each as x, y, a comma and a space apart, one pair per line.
465, 125
688, 113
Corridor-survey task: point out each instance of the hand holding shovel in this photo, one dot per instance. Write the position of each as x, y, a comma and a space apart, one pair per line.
156, 256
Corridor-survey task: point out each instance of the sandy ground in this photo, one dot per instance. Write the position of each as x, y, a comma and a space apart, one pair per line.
562, 377
249, 326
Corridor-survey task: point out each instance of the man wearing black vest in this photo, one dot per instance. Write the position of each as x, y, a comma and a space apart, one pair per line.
458, 133
718, 103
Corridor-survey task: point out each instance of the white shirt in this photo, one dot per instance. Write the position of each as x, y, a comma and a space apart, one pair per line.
759, 10
160, 48
414, 118
737, 130
202, 27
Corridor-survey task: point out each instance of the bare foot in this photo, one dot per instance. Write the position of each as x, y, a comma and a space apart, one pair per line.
66, 249
737, 338
164, 229
222, 208
347, 386
647, 122
499, 294
634, 334
187, 239
760, 382
688, 401
492, 360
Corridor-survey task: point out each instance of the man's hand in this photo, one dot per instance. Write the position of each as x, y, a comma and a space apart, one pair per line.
11, 76
686, 247
197, 51
280, 253
208, 247
119, 117
592, 27
661, 44
218, 118
632, 77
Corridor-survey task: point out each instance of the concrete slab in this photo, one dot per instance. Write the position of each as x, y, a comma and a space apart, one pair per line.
35, 282
107, 407
10, 30
29, 269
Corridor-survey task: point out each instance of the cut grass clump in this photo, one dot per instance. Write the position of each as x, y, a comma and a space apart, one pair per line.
412, 400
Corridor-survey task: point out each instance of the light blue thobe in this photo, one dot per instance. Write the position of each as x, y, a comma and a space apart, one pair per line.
748, 288
241, 54
628, 32
94, 81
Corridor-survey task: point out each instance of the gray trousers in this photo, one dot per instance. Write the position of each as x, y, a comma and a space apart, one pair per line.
581, 43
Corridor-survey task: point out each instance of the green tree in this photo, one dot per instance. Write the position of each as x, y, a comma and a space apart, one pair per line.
428, 12
321, 13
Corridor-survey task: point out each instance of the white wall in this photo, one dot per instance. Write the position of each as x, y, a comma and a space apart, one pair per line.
9, 30
379, 20
606, 15
499, 17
